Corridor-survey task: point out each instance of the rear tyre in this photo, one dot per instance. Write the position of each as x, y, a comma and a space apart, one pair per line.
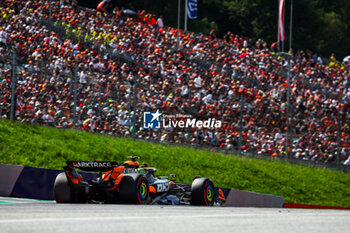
134, 189
62, 190
202, 192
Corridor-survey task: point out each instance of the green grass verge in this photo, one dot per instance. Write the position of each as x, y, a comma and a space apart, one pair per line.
46, 147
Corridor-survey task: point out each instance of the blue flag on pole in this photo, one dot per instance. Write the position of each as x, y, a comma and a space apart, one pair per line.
192, 9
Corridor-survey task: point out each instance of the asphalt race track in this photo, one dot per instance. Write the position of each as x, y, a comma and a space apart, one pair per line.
23, 215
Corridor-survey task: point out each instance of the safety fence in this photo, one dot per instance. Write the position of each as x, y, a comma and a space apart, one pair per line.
114, 103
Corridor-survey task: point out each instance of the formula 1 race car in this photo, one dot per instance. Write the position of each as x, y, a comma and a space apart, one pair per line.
126, 183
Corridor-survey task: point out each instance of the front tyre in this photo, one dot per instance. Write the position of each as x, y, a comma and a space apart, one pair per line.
202, 192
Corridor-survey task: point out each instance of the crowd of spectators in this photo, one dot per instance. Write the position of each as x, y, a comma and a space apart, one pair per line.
170, 71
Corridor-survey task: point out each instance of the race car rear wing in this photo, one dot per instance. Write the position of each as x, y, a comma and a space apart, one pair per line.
97, 166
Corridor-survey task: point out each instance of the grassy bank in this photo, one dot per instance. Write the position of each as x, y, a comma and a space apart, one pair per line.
49, 148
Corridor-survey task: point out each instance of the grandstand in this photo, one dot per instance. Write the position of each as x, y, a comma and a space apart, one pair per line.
98, 72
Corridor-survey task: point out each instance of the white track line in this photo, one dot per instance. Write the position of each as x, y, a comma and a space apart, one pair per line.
226, 215
114, 218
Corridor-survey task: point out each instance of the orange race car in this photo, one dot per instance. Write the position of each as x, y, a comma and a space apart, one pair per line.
128, 183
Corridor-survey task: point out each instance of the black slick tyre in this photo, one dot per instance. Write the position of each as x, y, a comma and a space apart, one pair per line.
134, 189
202, 192
62, 190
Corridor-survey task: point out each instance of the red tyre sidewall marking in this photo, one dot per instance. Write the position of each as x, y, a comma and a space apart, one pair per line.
138, 190
206, 192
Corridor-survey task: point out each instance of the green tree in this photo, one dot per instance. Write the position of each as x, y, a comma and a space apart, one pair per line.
334, 36
335, 32
254, 18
